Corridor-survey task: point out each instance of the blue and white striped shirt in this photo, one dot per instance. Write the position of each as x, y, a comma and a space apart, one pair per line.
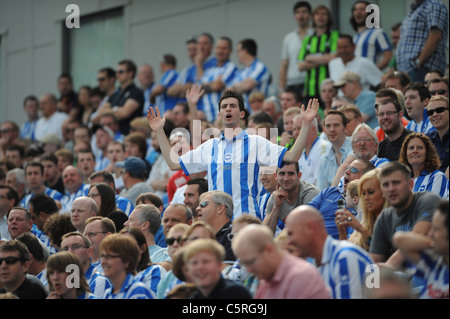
233, 167
343, 268
435, 182
151, 276
101, 162
371, 43
124, 204
163, 101
27, 130
25, 202
257, 71
131, 289
209, 102
434, 270
423, 127
43, 238
68, 198
42, 276
97, 282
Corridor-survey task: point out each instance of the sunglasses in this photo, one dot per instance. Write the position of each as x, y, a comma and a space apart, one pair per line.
440, 92
171, 240
353, 170
11, 260
203, 204
437, 110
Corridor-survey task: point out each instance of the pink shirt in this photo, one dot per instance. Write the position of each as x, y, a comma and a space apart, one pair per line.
295, 278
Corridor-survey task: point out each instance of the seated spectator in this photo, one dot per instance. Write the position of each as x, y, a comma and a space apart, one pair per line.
86, 163
15, 178
419, 154
397, 80
438, 114
354, 117
56, 226
57, 275
212, 286
9, 135
73, 183
15, 154
429, 254
417, 97
52, 176
393, 285
341, 263
439, 86
119, 258
51, 121
134, 173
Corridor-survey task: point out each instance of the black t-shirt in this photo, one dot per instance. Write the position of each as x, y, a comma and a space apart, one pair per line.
225, 289
119, 98
222, 238
391, 150
31, 288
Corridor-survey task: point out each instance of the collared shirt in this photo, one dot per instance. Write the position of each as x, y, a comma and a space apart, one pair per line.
209, 102
151, 276
131, 289
257, 71
27, 130
147, 99
68, 198
435, 182
434, 270
328, 166
371, 43
233, 167
294, 278
343, 267
163, 101
54, 194
415, 31
369, 72
422, 127
222, 238
51, 125
442, 147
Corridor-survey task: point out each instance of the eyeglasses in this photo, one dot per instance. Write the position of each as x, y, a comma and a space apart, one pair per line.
109, 257
230, 236
438, 92
388, 113
10, 260
171, 240
203, 204
92, 234
438, 110
353, 170
365, 140
73, 247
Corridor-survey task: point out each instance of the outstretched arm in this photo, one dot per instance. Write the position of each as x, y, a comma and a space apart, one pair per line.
308, 115
157, 124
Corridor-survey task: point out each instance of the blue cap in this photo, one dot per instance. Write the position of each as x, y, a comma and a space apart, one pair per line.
134, 165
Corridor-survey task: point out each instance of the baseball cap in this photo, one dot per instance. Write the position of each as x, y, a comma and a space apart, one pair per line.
347, 76
134, 165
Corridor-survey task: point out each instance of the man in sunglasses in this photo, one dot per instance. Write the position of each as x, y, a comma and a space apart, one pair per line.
438, 86
417, 97
437, 111
14, 263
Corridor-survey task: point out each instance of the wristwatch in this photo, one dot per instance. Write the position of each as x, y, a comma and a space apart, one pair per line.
417, 62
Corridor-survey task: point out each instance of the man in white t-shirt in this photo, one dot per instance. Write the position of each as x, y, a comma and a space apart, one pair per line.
51, 121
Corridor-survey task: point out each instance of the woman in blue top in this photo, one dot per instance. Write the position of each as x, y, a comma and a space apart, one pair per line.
57, 273
419, 154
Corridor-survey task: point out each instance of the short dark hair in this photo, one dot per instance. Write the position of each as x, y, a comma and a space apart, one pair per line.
395, 166
18, 148
419, 87
153, 198
402, 76
34, 164
232, 93
261, 117
336, 112
295, 92
65, 75
11, 194
42, 203
295, 163
107, 176
16, 245
131, 67
170, 59
302, 4
30, 98
33, 245
397, 105
347, 36
250, 46
110, 73
49, 157
202, 184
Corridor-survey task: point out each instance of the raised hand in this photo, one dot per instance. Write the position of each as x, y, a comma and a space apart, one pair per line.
154, 119
310, 113
193, 94
279, 196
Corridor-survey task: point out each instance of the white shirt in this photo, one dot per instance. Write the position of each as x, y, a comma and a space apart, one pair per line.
309, 165
51, 125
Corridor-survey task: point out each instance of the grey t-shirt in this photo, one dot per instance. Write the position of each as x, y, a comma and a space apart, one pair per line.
390, 221
307, 192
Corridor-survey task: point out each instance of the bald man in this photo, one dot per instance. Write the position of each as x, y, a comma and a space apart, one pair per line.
342, 264
82, 209
281, 275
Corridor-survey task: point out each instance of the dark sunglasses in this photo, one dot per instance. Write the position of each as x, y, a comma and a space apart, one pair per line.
11, 260
440, 92
438, 110
354, 170
171, 240
203, 204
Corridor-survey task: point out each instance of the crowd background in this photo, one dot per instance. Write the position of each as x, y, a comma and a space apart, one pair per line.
89, 150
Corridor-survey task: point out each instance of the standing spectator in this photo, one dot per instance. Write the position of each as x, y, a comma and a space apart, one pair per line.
371, 43
68, 100
255, 76
289, 75
159, 95
51, 120
103, 136
127, 101
147, 82
417, 97
419, 154
438, 114
106, 79
281, 275
31, 107
423, 39
15, 261
341, 263
429, 254
209, 280
317, 51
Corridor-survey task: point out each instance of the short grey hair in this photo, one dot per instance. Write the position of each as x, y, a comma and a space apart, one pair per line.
222, 198
19, 175
364, 126
276, 101
187, 210
149, 213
